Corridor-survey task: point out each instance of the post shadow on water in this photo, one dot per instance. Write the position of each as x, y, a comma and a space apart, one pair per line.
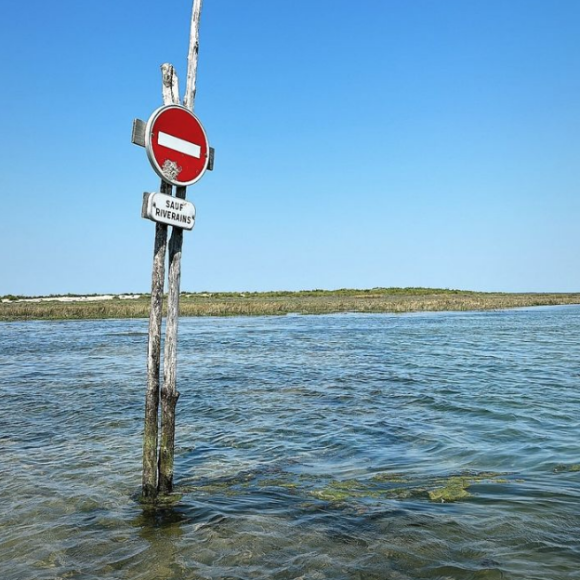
163, 528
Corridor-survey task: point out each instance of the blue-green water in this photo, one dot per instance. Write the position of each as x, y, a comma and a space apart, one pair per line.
307, 448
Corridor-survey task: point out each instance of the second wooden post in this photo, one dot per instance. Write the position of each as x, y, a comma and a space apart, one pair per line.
169, 393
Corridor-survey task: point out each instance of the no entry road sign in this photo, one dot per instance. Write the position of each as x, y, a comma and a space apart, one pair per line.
176, 145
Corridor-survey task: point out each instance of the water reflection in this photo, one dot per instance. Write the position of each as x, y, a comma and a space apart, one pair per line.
162, 529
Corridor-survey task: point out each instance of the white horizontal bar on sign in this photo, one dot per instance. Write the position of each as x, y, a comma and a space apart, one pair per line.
177, 144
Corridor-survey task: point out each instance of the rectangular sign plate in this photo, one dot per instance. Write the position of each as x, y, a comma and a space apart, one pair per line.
168, 210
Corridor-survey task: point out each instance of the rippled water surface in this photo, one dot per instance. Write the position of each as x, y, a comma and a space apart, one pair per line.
348, 446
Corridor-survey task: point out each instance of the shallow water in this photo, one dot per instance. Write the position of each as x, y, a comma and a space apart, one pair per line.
307, 447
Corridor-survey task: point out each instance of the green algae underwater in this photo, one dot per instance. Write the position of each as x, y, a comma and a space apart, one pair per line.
352, 491
368, 446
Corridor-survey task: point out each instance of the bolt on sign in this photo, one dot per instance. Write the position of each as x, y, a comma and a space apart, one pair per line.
177, 145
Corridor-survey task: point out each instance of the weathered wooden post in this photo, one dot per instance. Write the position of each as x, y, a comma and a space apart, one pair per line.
170, 93
153, 363
169, 393
178, 150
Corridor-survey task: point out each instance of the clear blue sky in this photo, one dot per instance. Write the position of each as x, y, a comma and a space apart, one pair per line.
376, 143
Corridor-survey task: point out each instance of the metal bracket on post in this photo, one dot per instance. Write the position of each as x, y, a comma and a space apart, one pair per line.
211, 158
138, 133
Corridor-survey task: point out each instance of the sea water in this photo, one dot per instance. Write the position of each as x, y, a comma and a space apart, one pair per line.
440, 446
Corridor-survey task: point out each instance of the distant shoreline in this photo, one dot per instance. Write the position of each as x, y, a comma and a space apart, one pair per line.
376, 300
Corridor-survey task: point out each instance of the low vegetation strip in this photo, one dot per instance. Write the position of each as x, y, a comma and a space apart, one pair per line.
377, 300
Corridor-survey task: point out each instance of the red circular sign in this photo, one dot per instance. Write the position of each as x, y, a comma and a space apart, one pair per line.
176, 145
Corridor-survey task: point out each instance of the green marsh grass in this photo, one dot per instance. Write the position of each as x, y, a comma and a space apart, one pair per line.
376, 300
